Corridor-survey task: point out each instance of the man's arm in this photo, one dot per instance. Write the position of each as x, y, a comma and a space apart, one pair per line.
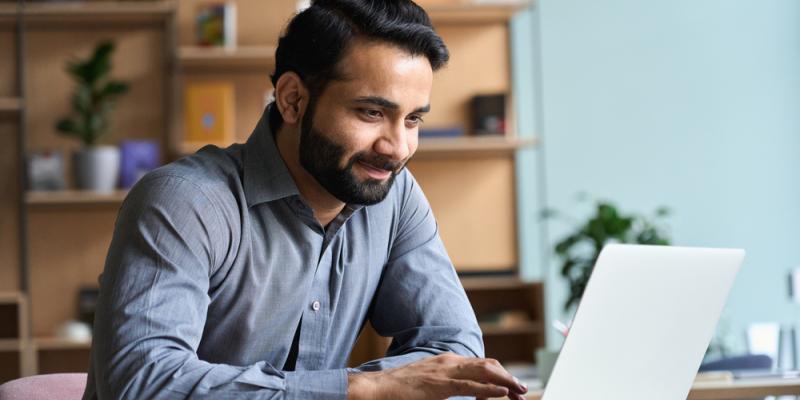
153, 301
421, 304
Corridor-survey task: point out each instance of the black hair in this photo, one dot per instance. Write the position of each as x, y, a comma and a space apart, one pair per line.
317, 38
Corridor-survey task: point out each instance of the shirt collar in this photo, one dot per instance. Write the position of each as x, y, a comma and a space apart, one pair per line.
266, 177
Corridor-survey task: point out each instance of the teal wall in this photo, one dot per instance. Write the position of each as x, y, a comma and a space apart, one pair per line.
691, 104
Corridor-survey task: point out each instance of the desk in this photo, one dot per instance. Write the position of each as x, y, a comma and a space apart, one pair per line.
738, 389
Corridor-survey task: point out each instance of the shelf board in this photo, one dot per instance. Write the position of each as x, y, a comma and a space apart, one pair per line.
472, 145
83, 13
10, 105
517, 329
54, 343
73, 197
492, 283
8, 297
476, 13
221, 58
11, 345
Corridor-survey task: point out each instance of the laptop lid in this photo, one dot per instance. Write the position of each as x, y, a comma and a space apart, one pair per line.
644, 323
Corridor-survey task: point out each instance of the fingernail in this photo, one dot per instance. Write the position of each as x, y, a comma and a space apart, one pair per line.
522, 385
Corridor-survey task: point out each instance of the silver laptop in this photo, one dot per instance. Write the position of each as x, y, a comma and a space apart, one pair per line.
644, 323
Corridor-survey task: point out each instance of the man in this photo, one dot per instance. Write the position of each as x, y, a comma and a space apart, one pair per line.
248, 272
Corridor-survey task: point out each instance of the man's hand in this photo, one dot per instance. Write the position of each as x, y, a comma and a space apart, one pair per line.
436, 378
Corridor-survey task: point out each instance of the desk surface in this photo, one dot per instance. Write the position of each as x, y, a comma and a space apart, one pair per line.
737, 389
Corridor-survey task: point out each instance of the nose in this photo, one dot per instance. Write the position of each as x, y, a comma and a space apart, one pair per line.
393, 143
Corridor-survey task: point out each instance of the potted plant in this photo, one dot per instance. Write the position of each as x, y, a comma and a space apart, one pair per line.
96, 166
578, 251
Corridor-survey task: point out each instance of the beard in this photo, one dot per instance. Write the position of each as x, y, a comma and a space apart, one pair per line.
321, 157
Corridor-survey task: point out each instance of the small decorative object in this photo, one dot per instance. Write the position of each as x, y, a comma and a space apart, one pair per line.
75, 331
580, 249
96, 167
216, 24
46, 170
489, 114
209, 113
138, 158
764, 338
452, 132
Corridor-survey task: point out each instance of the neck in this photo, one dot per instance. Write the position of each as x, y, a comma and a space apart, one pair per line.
325, 206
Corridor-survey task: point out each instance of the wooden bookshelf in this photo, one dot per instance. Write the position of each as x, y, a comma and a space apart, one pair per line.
83, 14
74, 197
222, 58
480, 170
462, 14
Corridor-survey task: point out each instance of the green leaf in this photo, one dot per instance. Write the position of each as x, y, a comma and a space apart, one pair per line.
563, 247
113, 89
67, 126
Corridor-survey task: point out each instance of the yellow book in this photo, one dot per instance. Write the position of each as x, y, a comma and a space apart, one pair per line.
209, 113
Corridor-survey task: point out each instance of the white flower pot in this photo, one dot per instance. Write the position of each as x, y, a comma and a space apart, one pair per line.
96, 168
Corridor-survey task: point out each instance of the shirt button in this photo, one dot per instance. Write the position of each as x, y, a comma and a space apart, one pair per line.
315, 305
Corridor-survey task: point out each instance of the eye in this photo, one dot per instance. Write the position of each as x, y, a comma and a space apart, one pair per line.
370, 113
414, 120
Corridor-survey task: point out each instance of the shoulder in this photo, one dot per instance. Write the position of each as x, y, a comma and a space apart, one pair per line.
208, 180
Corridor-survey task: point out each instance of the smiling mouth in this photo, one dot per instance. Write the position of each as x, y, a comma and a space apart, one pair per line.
375, 172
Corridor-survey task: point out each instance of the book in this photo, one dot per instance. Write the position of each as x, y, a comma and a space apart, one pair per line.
137, 158
209, 113
215, 24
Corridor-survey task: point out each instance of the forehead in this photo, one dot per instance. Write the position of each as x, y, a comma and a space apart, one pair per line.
371, 68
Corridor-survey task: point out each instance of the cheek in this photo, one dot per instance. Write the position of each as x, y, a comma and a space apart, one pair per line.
413, 142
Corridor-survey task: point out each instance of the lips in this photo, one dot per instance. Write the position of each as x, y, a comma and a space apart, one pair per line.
374, 172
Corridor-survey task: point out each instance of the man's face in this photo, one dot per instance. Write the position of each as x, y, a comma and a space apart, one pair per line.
359, 133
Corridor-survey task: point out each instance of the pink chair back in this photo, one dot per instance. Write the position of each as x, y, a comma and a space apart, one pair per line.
41, 387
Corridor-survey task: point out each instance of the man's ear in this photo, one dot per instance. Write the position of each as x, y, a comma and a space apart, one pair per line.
291, 97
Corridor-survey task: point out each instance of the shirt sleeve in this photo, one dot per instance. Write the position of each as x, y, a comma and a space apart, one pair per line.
420, 302
153, 301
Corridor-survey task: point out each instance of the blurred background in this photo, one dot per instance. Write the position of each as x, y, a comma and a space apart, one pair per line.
557, 127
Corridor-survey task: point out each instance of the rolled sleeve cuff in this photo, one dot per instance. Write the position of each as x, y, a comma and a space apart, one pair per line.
322, 385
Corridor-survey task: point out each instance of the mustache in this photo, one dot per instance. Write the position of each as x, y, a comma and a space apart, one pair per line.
379, 161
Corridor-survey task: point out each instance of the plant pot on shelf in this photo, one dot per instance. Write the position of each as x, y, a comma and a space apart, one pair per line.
96, 168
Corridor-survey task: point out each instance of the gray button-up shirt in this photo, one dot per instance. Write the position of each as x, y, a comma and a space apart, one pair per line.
217, 261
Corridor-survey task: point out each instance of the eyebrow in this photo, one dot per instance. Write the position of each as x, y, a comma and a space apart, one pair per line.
385, 103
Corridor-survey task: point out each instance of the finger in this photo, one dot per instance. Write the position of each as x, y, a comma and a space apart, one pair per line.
515, 396
489, 371
464, 387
